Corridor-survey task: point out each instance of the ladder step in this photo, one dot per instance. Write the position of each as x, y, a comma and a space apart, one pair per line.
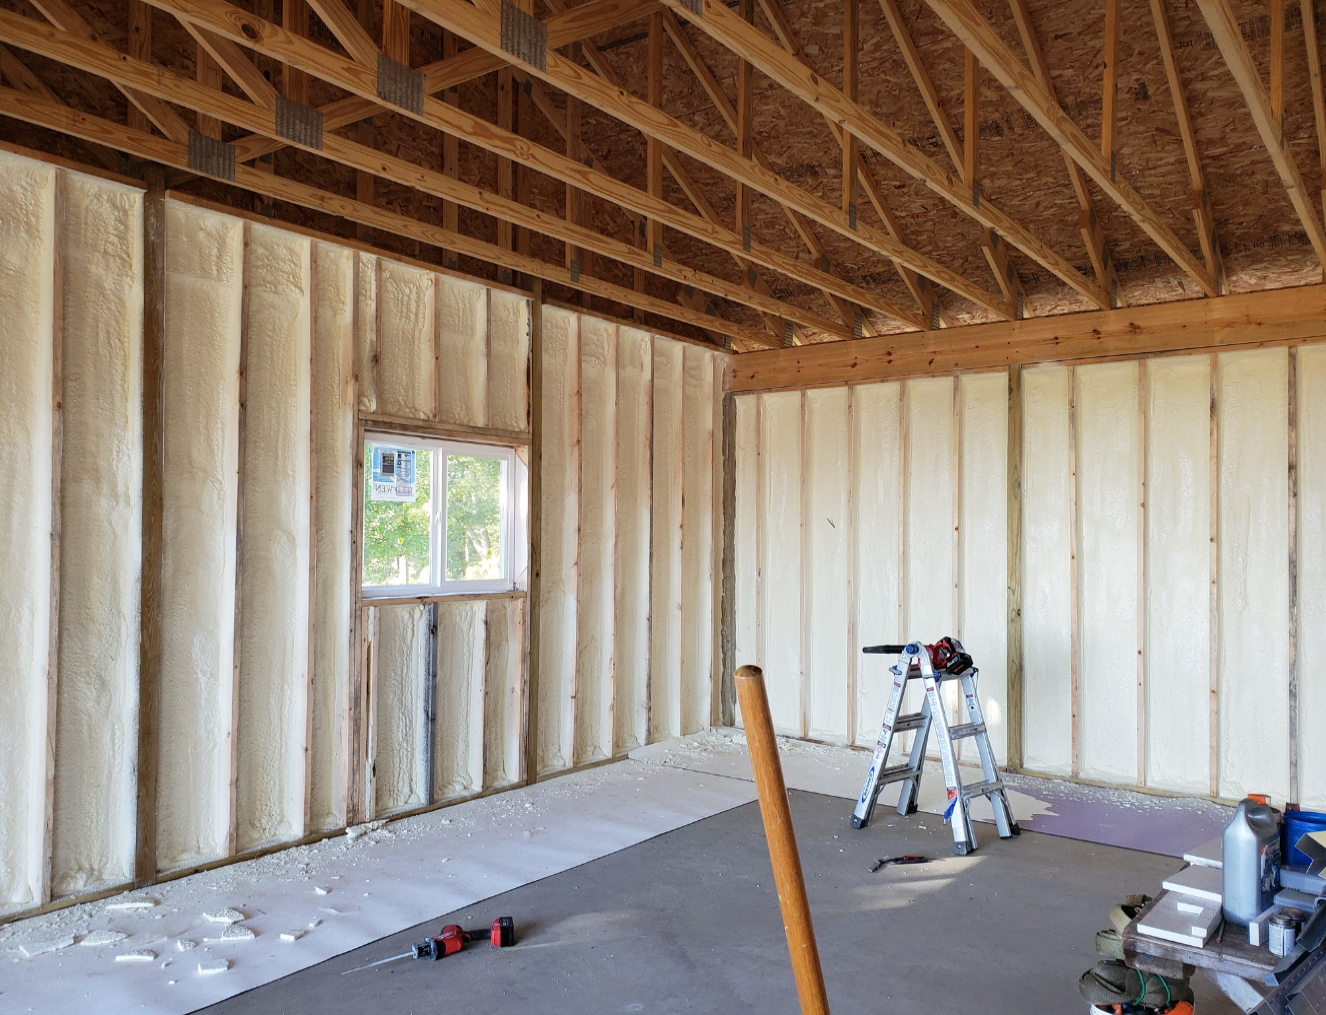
909, 722
981, 789
968, 729
896, 773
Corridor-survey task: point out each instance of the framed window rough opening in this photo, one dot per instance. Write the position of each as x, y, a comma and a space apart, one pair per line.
442, 517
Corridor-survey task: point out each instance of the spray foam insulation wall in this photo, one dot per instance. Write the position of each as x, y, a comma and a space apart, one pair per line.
28, 297
333, 601
270, 345
626, 641
871, 511
201, 354
272, 729
101, 476
1158, 647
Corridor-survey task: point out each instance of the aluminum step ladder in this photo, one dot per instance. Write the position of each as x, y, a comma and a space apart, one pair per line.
915, 663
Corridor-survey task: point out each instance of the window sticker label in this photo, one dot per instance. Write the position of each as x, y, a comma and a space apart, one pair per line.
393, 474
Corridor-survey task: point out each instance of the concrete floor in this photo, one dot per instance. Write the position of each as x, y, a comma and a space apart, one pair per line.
689, 922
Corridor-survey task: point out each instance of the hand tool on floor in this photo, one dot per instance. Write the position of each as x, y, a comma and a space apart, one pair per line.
933, 665
899, 860
502, 934
777, 816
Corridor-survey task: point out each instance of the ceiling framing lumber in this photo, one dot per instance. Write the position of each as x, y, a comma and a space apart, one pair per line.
55, 116
343, 24
686, 295
21, 77
1314, 79
1201, 209
214, 103
1225, 30
980, 36
166, 120
1245, 321
1093, 237
559, 72
441, 76
1109, 86
275, 42
728, 30
727, 110
140, 48
921, 288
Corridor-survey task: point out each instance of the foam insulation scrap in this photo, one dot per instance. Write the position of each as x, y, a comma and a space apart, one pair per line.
145, 955
224, 916
101, 938
33, 948
357, 831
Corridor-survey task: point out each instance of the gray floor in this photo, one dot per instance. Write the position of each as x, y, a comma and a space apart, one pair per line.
689, 922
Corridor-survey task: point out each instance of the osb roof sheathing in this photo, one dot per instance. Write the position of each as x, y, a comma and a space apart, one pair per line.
1022, 169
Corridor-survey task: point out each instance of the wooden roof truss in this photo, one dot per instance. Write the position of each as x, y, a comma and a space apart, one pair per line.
552, 68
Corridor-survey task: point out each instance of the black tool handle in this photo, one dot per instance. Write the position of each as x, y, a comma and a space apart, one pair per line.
883, 650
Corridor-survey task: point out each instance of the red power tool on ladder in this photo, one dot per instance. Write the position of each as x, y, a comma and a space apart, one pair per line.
452, 939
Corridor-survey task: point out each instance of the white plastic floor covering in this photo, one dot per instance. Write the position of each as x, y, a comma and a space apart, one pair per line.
390, 879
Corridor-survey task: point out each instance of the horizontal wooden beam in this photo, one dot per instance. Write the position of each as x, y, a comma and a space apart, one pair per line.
563, 29
273, 41
486, 32
151, 148
1245, 321
749, 43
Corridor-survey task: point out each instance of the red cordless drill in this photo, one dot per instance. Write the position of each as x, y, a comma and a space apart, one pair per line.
502, 934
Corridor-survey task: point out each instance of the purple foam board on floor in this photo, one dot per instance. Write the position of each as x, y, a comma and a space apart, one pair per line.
1120, 817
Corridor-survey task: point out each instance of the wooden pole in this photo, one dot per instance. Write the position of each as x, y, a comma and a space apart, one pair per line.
782, 842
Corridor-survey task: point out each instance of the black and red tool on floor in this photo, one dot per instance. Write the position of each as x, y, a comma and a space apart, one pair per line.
502, 934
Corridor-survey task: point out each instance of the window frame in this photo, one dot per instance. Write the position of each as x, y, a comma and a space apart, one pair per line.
513, 538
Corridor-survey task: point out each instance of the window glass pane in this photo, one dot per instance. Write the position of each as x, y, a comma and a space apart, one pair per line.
398, 499
474, 518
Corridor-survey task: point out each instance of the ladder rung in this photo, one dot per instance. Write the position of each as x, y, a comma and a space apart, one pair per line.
981, 789
967, 729
895, 773
909, 722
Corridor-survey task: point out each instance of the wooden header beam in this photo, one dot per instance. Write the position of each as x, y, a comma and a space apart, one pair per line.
1245, 321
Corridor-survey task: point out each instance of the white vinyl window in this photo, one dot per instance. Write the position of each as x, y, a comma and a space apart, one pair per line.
442, 516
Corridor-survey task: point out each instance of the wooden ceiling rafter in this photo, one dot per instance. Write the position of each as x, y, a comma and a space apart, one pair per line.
22, 78
486, 32
454, 69
1093, 237
993, 246
214, 103
274, 42
922, 289
1201, 207
726, 29
1315, 83
977, 33
728, 111
1229, 39
165, 119
152, 148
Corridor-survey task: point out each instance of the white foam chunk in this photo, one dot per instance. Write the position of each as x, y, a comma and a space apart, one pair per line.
1168, 923
213, 967
224, 916
34, 948
132, 905
355, 831
1208, 854
1204, 883
185, 945
101, 938
144, 955
291, 936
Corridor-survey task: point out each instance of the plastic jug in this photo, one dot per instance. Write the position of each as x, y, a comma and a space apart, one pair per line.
1251, 847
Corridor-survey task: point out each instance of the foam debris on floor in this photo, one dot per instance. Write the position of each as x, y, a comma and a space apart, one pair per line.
261, 919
